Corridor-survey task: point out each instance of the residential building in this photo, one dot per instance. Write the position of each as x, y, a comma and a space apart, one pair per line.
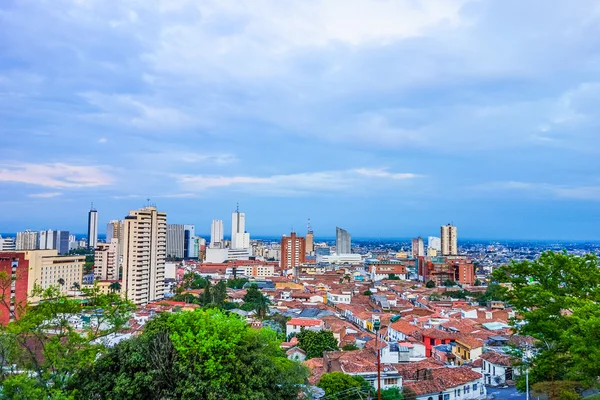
13, 296
175, 240
418, 247
310, 240
46, 240
216, 234
61, 241
497, 368
467, 350
295, 325
105, 286
240, 239
27, 240
449, 240
447, 384
144, 253
7, 244
92, 228
435, 243
343, 243
114, 230
189, 247
293, 251
341, 259
386, 269
215, 255
106, 260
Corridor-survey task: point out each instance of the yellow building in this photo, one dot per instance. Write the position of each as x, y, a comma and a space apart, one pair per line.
47, 268
104, 287
467, 350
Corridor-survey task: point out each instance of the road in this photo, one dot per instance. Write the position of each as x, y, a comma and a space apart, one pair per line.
504, 394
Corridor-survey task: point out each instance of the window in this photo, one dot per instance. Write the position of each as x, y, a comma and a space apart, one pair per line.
458, 393
474, 387
467, 389
390, 381
446, 397
432, 341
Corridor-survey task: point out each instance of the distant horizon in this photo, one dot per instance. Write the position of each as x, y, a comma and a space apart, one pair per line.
371, 238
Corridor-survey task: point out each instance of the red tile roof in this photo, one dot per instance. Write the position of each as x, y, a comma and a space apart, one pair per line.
304, 322
497, 359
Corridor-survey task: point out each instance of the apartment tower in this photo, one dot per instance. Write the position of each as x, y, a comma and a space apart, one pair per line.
239, 238
418, 247
343, 243
216, 234
106, 260
449, 240
293, 251
144, 253
310, 240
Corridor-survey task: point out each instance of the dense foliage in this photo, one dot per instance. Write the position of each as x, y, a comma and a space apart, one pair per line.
315, 343
557, 297
204, 354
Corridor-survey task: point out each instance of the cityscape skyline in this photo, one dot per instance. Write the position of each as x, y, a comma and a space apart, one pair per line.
434, 114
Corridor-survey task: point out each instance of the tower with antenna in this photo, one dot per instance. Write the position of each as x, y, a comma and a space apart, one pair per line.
92, 227
310, 240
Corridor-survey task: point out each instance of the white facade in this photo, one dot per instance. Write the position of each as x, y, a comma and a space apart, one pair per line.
239, 238
341, 259
7, 244
144, 253
92, 228
339, 298
216, 234
46, 240
27, 240
474, 390
106, 260
175, 240
222, 255
435, 243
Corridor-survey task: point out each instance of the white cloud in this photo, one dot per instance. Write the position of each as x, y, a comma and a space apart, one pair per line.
544, 190
102, 140
45, 195
55, 175
219, 159
299, 183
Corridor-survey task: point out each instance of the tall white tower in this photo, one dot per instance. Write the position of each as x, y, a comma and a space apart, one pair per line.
216, 234
239, 238
92, 228
449, 238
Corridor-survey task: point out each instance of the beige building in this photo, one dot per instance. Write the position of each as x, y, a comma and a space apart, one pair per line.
104, 286
47, 268
144, 253
107, 260
27, 240
449, 238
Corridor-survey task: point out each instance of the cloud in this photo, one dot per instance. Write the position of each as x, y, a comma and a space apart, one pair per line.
545, 190
45, 195
55, 175
102, 140
299, 183
219, 159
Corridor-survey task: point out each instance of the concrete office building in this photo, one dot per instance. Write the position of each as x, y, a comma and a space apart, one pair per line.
216, 234
175, 240
449, 237
27, 240
293, 251
7, 244
106, 260
240, 239
61, 241
144, 253
46, 240
418, 247
92, 228
114, 230
189, 247
343, 244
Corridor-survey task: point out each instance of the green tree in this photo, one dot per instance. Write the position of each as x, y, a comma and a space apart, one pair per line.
194, 355
115, 287
350, 347
367, 293
477, 282
449, 283
337, 382
315, 343
237, 283
254, 300
557, 298
430, 284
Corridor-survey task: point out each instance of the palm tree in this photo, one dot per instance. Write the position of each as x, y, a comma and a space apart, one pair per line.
61, 281
76, 286
115, 287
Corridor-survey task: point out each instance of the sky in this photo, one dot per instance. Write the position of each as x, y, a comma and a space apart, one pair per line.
388, 118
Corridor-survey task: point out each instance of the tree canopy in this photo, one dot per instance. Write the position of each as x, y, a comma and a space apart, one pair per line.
557, 298
315, 343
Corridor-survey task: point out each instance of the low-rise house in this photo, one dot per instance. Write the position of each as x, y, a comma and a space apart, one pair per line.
467, 349
497, 369
295, 325
434, 337
296, 354
449, 384
341, 297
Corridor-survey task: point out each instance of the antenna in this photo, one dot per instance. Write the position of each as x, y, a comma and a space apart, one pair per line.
237, 209
309, 227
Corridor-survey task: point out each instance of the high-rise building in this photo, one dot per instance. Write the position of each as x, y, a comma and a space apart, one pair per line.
310, 240
61, 242
92, 228
240, 239
293, 251
216, 234
418, 247
175, 240
114, 230
449, 238
27, 240
343, 244
434, 242
189, 249
106, 260
46, 240
144, 253
16, 266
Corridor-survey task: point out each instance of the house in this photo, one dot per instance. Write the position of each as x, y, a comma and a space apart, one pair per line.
400, 329
295, 325
467, 349
434, 337
339, 297
449, 384
497, 369
296, 354
443, 353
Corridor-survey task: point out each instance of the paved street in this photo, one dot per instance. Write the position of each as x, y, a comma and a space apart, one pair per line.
507, 393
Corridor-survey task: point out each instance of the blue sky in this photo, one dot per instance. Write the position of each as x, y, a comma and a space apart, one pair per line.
388, 118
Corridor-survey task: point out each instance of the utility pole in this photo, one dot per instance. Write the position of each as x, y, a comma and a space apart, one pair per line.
376, 327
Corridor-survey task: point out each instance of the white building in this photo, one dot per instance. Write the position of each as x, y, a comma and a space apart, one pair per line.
106, 260
240, 239
216, 234
222, 255
92, 228
434, 242
341, 259
175, 240
27, 240
339, 297
144, 253
295, 325
7, 244
497, 369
